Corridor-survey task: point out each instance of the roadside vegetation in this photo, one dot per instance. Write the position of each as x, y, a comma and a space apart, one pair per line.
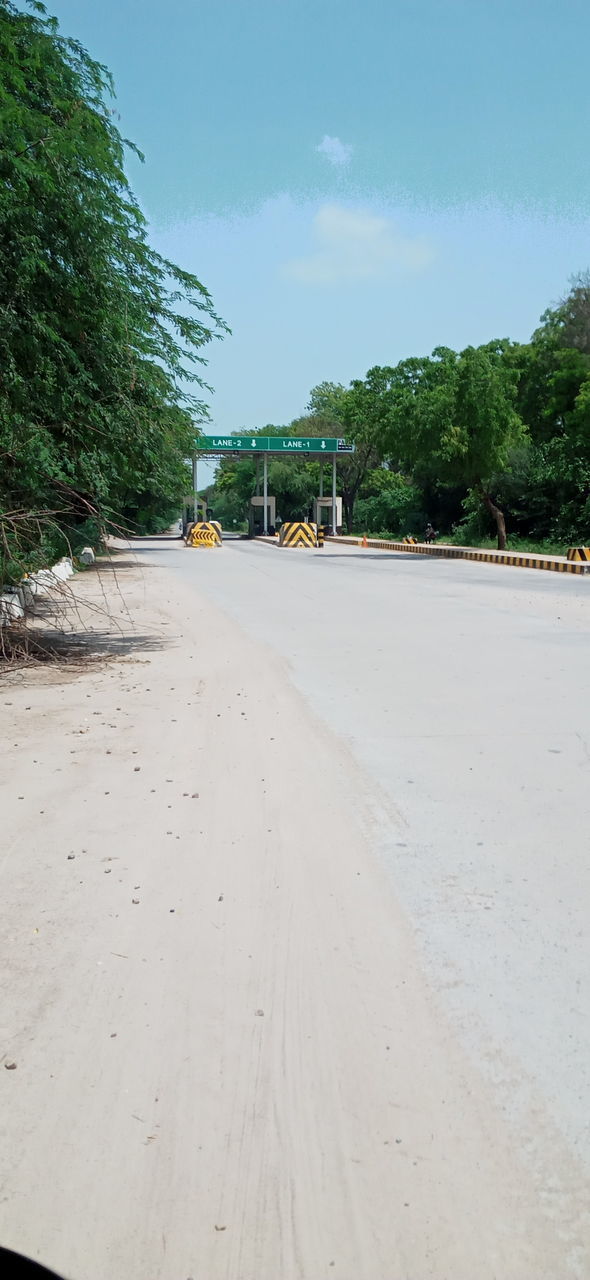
101, 338
493, 440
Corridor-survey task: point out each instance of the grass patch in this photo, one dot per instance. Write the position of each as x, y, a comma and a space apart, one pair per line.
530, 546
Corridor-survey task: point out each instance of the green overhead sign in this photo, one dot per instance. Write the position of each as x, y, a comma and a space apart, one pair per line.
271, 444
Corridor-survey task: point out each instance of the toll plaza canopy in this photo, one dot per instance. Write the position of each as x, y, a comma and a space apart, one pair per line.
321, 447
271, 444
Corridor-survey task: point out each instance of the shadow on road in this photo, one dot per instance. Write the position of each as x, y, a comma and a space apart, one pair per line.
100, 644
127, 560
378, 555
160, 551
157, 537
36, 647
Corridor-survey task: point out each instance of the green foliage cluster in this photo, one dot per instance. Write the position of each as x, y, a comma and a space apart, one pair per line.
100, 337
471, 441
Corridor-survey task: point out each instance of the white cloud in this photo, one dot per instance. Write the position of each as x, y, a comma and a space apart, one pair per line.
337, 152
354, 245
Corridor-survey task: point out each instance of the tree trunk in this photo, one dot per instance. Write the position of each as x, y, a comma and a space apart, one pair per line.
498, 516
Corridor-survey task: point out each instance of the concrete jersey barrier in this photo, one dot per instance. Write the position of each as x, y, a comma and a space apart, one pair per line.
298, 534
204, 533
16, 601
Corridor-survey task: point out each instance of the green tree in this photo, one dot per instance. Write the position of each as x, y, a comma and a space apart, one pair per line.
389, 503
450, 417
486, 427
100, 337
549, 495
336, 412
572, 316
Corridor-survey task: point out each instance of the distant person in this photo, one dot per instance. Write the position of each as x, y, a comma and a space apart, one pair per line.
430, 534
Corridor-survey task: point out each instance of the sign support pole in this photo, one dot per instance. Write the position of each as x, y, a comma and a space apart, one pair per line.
334, 496
195, 488
265, 488
321, 493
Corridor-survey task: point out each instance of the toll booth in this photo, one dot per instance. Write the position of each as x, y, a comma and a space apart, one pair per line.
256, 515
189, 515
322, 513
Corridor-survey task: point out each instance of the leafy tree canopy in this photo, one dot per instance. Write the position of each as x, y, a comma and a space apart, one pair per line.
100, 337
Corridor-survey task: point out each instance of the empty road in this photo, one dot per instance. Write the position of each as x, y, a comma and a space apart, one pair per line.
328, 1013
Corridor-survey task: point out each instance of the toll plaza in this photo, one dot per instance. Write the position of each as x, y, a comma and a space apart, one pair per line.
263, 506
193, 509
257, 526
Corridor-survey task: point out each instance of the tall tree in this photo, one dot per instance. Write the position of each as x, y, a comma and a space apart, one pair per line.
100, 337
450, 417
486, 426
573, 314
336, 413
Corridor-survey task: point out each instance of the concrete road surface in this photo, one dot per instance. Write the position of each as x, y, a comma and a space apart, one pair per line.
329, 1015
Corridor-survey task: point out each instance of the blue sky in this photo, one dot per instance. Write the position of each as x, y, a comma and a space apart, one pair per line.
354, 182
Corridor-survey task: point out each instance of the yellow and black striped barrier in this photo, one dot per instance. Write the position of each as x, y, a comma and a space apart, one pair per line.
578, 553
204, 533
298, 534
517, 559
321, 535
